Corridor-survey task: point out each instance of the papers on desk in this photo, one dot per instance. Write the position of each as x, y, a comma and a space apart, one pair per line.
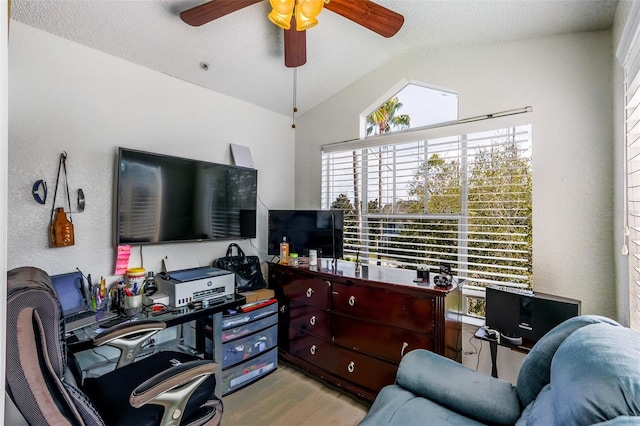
257, 305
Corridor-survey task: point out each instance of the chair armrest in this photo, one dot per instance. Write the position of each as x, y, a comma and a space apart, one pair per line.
458, 388
127, 329
171, 378
128, 337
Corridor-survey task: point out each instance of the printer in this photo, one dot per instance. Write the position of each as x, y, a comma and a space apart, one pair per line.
213, 285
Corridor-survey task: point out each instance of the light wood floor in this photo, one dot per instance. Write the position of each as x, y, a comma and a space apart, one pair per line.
288, 397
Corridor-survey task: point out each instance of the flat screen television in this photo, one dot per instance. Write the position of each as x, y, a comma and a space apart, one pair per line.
305, 230
162, 199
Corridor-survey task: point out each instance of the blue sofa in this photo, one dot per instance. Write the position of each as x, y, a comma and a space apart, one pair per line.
585, 371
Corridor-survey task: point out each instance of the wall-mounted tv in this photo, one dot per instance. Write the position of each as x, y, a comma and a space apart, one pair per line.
162, 199
305, 230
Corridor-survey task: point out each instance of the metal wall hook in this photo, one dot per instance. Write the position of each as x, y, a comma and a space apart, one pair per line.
81, 201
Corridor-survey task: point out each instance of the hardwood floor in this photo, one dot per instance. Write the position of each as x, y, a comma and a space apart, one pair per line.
288, 397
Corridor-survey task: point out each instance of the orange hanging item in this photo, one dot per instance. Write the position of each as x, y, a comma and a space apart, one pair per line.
61, 228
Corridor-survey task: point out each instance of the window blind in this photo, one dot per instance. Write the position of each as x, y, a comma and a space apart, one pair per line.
434, 197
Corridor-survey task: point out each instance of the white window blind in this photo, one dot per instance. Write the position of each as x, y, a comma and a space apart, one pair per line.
437, 196
629, 56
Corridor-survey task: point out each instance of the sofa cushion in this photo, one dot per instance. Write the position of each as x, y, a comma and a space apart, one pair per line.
595, 377
397, 406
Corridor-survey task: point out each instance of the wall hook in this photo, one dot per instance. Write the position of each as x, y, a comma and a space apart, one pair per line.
39, 191
80, 200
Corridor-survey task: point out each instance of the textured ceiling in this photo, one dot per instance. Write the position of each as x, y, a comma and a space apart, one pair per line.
244, 50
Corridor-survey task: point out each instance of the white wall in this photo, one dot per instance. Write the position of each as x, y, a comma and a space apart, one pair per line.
66, 97
567, 80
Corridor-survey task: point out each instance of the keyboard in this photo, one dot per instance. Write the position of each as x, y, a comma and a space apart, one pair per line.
82, 319
79, 316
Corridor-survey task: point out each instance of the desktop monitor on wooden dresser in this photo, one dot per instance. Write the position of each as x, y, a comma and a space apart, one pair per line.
526, 314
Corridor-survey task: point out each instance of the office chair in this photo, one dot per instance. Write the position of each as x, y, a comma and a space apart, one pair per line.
166, 388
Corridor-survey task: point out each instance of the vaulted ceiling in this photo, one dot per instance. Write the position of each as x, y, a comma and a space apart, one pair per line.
244, 50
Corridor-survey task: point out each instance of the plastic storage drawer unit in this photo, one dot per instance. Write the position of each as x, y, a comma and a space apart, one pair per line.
249, 346
243, 374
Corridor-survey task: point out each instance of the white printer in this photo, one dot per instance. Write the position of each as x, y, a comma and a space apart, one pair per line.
206, 283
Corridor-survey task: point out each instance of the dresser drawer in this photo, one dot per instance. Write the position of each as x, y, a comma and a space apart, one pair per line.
386, 342
310, 348
401, 310
308, 291
363, 370
311, 320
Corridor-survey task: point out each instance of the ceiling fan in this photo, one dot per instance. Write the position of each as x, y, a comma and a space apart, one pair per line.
370, 15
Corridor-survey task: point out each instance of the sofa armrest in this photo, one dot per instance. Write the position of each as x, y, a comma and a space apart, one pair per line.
458, 388
621, 421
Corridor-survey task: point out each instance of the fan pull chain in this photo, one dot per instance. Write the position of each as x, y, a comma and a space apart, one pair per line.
295, 88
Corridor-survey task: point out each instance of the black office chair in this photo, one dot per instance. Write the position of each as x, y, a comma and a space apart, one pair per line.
166, 388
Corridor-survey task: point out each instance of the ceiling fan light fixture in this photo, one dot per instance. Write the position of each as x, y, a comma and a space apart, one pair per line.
306, 13
281, 12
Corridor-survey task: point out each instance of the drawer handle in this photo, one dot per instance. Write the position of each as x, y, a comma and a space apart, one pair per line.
309, 292
312, 349
352, 300
282, 309
404, 346
312, 320
351, 367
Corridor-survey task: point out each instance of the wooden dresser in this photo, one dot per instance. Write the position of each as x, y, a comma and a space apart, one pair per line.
351, 329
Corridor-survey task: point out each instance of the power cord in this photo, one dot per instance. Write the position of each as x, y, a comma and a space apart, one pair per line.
260, 253
475, 351
459, 314
103, 356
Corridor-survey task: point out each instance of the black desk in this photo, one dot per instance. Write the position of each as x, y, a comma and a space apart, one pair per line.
482, 334
82, 339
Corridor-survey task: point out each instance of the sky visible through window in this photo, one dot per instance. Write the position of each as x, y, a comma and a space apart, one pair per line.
426, 106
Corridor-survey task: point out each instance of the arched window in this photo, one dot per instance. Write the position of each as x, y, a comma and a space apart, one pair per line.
412, 107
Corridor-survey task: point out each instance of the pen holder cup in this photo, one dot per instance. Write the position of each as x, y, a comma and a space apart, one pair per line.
132, 305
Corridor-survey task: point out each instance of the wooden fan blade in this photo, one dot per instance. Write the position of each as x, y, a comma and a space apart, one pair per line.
295, 46
215, 9
370, 15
